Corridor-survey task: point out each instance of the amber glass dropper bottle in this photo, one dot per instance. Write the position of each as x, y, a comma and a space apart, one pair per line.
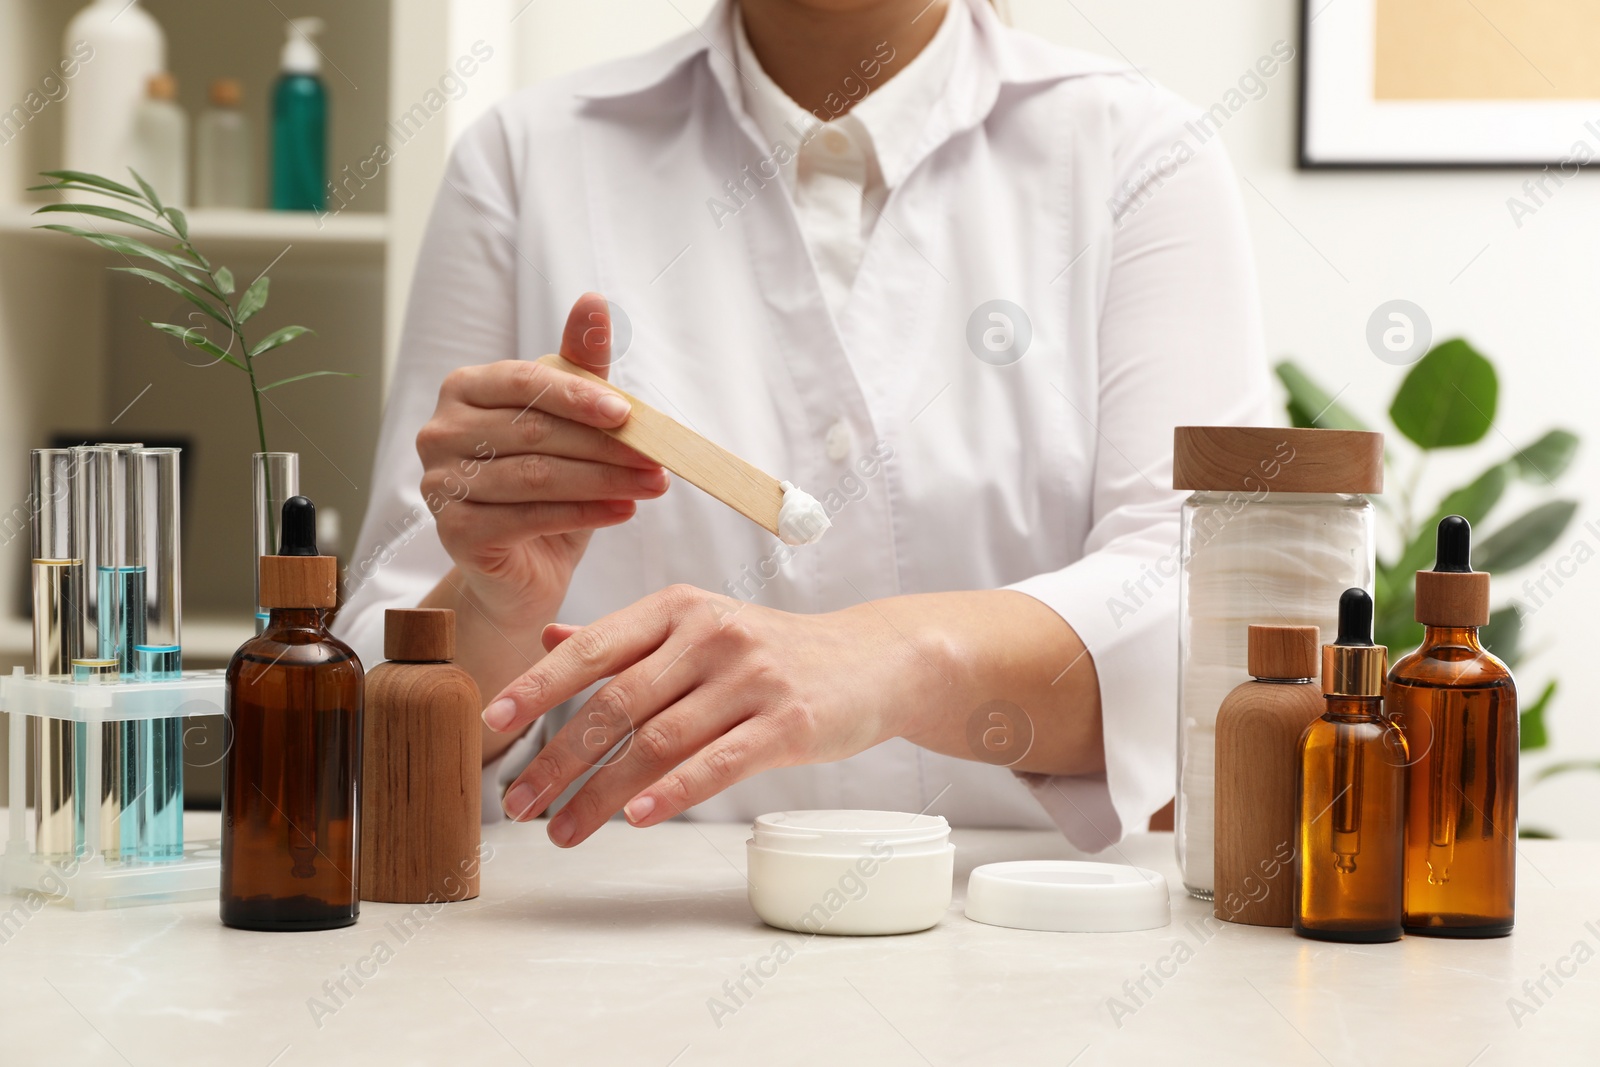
1458, 707
1350, 795
292, 774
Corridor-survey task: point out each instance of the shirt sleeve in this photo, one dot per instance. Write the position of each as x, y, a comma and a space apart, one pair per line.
1179, 344
461, 312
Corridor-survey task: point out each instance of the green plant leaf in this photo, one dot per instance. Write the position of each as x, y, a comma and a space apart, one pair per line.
180, 222
1547, 458
254, 299
312, 374
1448, 398
79, 177
176, 287
1502, 635
224, 278
129, 246
1472, 502
278, 339
1533, 833
1523, 539
195, 339
1567, 767
1312, 406
1534, 735
68, 187
111, 213
149, 191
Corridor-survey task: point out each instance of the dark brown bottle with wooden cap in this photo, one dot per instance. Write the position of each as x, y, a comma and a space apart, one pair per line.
1258, 735
291, 781
1458, 707
1350, 808
423, 763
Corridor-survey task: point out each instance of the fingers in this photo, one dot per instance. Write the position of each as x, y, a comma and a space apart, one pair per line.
537, 478
479, 533
522, 385
586, 340
749, 748
598, 651
496, 432
657, 746
621, 715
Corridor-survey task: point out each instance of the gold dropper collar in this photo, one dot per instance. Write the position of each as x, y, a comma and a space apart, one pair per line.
1354, 670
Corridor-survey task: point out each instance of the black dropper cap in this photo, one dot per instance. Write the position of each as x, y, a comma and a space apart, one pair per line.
1353, 666
298, 531
1355, 618
1454, 552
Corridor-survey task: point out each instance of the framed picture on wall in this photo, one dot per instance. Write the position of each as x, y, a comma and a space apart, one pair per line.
1449, 83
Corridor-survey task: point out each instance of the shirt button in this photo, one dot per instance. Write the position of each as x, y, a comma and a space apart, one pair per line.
838, 441
836, 142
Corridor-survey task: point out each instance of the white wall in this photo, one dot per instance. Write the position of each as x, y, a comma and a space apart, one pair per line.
1331, 247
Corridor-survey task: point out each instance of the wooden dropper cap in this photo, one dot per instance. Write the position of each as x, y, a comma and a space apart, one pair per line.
1453, 594
419, 635
1283, 651
298, 577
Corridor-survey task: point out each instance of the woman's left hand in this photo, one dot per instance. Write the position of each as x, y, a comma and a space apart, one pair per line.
705, 691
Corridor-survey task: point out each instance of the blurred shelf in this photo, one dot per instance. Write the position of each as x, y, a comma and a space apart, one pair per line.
358, 236
204, 639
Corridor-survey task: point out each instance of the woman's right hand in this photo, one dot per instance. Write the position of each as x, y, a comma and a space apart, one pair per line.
518, 472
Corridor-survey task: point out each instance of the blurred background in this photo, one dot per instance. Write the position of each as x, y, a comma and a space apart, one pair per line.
1430, 169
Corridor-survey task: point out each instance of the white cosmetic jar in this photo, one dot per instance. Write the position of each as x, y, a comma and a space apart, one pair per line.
850, 872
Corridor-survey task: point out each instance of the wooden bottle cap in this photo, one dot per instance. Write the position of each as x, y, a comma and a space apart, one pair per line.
299, 582
1266, 459
1283, 651
419, 635
1452, 598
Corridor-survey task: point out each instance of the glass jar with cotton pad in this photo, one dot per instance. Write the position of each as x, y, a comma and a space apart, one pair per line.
850, 872
1277, 527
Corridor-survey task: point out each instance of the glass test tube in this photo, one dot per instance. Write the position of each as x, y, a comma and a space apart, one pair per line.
275, 478
154, 496
117, 616
58, 605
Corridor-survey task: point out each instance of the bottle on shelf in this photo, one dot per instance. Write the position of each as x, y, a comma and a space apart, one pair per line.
224, 159
118, 47
291, 785
1457, 705
161, 141
299, 123
1350, 807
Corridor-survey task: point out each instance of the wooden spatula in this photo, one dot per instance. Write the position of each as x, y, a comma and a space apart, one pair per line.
746, 489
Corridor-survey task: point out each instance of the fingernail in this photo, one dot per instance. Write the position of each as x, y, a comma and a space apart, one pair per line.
498, 716
561, 828
614, 407
519, 801
639, 808
656, 479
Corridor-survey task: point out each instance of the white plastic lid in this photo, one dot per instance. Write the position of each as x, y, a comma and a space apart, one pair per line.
300, 55
1068, 896
840, 832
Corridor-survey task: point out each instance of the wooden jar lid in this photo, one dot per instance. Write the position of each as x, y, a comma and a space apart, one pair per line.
1452, 598
1266, 459
419, 635
1284, 651
299, 582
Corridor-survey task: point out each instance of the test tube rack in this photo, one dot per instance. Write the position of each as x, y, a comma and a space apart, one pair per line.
89, 880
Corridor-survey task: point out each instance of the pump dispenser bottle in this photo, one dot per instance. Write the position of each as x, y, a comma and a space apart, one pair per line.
300, 123
1350, 809
292, 776
1458, 707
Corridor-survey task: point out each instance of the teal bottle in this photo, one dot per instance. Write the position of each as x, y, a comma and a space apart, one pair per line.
300, 124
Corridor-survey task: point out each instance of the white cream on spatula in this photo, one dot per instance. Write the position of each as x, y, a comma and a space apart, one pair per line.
801, 519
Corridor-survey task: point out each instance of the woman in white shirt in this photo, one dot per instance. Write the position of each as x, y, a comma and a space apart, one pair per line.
958, 283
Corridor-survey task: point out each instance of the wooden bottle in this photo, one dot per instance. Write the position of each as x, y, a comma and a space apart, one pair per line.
1258, 731
422, 766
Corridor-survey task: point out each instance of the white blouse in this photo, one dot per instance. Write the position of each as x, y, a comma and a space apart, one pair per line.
1049, 289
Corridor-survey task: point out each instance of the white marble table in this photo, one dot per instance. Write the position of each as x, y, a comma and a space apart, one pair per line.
620, 951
